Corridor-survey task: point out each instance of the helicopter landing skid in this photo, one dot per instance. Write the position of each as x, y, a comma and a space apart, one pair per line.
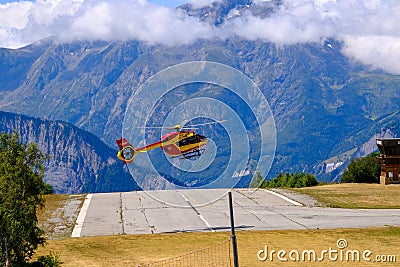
192, 154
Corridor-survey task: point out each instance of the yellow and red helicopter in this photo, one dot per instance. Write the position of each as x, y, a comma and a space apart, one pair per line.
184, 142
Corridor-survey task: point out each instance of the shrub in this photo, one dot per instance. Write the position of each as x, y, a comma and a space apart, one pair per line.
295, 180
51, 260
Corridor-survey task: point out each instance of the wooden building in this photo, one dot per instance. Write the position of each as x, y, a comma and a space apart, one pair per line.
389, 159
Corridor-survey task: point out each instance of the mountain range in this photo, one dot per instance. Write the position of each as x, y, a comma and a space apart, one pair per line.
78, 161
327, 108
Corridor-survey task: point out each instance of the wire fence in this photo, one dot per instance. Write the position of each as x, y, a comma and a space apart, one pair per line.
217, 255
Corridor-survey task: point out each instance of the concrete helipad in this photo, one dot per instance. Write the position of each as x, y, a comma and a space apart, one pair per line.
208, 210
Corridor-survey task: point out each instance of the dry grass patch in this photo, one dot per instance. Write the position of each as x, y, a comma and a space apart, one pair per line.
355, 195
133, 250
128, 250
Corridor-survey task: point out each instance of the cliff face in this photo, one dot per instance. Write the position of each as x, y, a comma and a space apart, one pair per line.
79, 161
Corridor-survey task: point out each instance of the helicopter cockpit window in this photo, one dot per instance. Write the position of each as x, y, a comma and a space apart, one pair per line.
191, 140
184, 142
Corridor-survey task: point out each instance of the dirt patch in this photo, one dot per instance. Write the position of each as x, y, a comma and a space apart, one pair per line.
58, 217
304, 199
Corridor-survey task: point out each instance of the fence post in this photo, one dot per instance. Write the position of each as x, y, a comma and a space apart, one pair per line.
5, 242
233, 236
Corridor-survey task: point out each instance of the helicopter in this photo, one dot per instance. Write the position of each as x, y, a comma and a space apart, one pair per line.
184, 142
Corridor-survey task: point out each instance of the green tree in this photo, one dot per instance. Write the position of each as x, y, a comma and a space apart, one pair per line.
21, 194
309, 180
293, 180
362, 170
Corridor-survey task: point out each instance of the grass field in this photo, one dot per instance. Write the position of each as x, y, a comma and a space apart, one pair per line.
355, 195
135, 250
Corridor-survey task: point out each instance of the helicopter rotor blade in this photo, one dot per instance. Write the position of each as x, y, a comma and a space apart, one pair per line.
188, 128
207, 123
179, 126
150, 127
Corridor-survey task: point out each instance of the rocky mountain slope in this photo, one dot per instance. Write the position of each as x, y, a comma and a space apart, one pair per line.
326, 107
79, 162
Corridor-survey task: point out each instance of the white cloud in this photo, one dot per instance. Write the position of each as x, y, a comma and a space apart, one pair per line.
379, 51
368, 28
98, 20
15, 15
290, 25
122, 20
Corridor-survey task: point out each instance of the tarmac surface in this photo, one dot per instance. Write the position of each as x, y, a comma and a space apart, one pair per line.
200, 210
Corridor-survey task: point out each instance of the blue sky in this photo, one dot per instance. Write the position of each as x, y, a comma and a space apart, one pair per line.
8, 1
170, 3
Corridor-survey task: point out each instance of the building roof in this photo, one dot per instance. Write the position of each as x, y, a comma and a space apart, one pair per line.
390, 146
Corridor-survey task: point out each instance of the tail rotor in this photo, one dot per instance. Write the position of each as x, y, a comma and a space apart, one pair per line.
127, 152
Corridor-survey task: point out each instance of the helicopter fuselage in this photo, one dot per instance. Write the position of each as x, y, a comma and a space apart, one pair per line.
177, 143
181, 143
